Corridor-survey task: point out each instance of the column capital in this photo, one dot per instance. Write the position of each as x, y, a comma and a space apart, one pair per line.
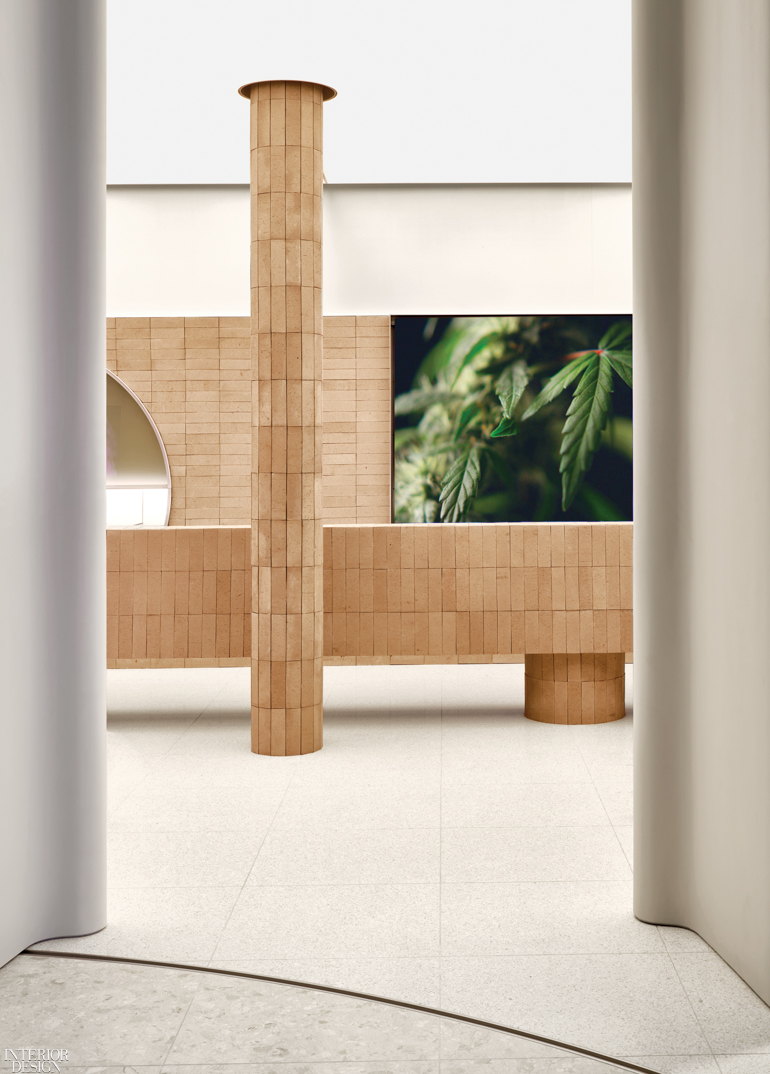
327, 91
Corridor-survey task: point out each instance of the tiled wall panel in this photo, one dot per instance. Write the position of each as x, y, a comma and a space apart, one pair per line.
194, 376
394, 594
438, 593
357, 420
178, 597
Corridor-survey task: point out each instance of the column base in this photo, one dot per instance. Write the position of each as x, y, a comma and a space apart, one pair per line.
286, 732
575, 687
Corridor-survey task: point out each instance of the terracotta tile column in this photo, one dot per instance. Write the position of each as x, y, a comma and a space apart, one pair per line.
287, 416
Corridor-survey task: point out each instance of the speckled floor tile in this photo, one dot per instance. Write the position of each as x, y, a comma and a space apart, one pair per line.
333, 921
567, 1064
336, 856
104, 1013
161, 924
237, 1021
733, 1017
548, 918
510, 855
460, 1041
348, 1067
362, 800
676, 1064
150, 859
410, 980
681, 940
602, 1002
500, 802
742, 1064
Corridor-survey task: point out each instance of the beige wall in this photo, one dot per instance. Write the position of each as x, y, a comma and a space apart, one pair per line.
194, 376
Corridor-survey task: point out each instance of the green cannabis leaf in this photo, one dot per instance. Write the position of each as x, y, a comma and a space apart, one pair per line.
509, 388
558, 383
460, 485
586, 417
475, 350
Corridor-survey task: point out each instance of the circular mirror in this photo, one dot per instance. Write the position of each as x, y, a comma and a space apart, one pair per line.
138, 475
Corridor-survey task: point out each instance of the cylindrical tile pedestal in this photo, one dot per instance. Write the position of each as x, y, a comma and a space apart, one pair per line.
287, 416
574, 687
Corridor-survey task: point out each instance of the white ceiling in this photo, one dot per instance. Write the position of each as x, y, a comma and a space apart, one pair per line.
430, 91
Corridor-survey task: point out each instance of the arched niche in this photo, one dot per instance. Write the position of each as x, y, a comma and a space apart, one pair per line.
138, 474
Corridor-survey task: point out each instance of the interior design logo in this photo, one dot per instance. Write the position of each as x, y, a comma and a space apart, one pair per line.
24, 1060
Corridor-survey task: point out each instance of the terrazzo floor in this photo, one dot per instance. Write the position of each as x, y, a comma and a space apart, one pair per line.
439, 850
115, 1018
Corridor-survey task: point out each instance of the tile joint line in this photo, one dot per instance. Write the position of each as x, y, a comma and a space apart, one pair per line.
82, 956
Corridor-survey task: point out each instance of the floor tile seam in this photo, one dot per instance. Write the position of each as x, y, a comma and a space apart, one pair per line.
347, 884
180, 1025
143, 779
579, 880
628, 858
115, 830
250, 869
175, 887
230, 680
165, 752
323, 828
205, 709
732, 1055
687, 996
135, 726
604, 807
116, 807
543, 783
544, 954
528, 883
524, 827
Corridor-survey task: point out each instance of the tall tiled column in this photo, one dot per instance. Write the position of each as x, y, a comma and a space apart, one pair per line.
287, 416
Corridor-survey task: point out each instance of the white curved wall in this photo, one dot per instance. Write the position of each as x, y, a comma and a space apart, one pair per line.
444, 249
52, 445
702, 474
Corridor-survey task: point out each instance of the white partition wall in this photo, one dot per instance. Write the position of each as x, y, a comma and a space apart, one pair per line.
477, 249
419, 249
52, 441
702, 473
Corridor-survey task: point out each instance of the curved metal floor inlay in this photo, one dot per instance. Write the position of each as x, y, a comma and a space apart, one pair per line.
177, 1020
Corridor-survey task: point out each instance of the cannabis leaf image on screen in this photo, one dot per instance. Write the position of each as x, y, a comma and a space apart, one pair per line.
509, 414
